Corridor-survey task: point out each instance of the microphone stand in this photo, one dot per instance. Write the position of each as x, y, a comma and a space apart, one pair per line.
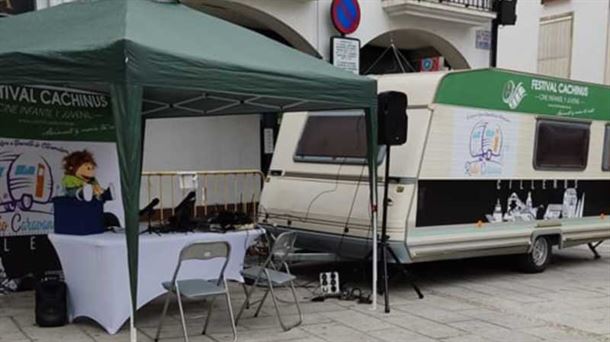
149, 222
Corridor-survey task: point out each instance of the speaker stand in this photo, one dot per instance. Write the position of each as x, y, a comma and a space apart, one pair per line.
385, 246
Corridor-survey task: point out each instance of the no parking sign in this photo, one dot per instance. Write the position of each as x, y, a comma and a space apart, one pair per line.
345, 15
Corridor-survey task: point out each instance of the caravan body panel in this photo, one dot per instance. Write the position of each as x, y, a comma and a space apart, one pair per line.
466, 152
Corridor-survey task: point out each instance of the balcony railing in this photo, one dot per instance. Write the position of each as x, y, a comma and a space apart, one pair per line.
469, 12
484, 5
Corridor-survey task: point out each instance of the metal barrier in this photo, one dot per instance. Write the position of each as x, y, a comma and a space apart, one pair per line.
238, 190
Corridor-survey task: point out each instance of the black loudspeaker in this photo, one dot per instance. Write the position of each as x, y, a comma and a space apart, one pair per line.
51, 307
392, 114
507, 11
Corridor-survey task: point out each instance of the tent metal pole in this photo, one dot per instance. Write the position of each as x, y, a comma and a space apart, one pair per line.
133, 334
126, 107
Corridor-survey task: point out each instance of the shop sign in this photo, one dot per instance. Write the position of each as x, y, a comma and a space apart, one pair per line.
483, 40
346, 54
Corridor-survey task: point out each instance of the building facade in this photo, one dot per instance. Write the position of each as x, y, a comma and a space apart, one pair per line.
564, 38
426, 28
446, 28
567, 38
395, 36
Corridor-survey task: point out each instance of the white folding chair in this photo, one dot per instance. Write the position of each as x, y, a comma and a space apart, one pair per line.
199, 288
274, 272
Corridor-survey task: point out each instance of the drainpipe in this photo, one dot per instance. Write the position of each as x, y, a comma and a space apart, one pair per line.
495, 24
505, 15
493, 52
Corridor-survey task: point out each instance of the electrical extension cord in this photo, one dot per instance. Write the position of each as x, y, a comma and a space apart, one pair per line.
348, 294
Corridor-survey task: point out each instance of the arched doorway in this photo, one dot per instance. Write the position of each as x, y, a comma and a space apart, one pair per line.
256, 20
400, 51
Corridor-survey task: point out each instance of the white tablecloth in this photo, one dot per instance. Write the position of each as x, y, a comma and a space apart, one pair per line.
95, 269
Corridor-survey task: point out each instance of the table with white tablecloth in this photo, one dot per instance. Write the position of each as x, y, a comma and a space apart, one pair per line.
96, 272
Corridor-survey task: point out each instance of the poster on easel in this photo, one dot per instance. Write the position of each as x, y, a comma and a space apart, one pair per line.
51, 140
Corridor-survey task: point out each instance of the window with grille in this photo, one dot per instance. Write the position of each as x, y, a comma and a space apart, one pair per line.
555, 46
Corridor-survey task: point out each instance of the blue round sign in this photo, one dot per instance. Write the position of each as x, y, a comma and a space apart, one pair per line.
345, 15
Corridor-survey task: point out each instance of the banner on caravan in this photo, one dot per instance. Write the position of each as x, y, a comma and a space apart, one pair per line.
496, 89
485, 144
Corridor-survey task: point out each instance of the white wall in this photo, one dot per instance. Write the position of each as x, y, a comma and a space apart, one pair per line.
518, 45
200, 144
311, 20
608, 54
375, 22
212, 143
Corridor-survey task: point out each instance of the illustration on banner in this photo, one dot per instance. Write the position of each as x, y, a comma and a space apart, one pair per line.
483, 144
513, 94
25, 181
486, 142
518, 210
31, 176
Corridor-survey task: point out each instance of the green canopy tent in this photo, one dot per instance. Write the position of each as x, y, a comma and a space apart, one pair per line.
160, 59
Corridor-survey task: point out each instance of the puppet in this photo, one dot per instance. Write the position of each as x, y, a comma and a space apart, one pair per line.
79, 173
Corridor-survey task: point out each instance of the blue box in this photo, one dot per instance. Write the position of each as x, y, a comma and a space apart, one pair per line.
75, 217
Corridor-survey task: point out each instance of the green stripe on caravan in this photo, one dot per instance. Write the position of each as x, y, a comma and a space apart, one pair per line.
504, 90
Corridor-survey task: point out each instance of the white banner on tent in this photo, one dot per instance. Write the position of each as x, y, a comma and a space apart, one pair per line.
41, 126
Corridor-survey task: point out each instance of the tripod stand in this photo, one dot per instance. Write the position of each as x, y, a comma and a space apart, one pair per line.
385, 246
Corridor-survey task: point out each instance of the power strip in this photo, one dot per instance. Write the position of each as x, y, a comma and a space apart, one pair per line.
329, 283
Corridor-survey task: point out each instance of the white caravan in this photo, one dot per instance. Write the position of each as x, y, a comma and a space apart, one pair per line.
496, 162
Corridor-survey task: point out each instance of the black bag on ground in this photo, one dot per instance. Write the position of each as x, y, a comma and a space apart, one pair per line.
51, 306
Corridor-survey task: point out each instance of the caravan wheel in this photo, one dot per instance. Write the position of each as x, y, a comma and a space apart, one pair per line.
539, 257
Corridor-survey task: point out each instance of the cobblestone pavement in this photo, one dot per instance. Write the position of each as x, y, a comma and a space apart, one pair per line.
467, 300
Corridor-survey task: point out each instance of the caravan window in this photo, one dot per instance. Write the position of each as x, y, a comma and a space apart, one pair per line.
334, 137
561, 145
606, 160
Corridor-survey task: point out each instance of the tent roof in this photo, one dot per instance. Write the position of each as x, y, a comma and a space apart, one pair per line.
190, 63
180, 62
